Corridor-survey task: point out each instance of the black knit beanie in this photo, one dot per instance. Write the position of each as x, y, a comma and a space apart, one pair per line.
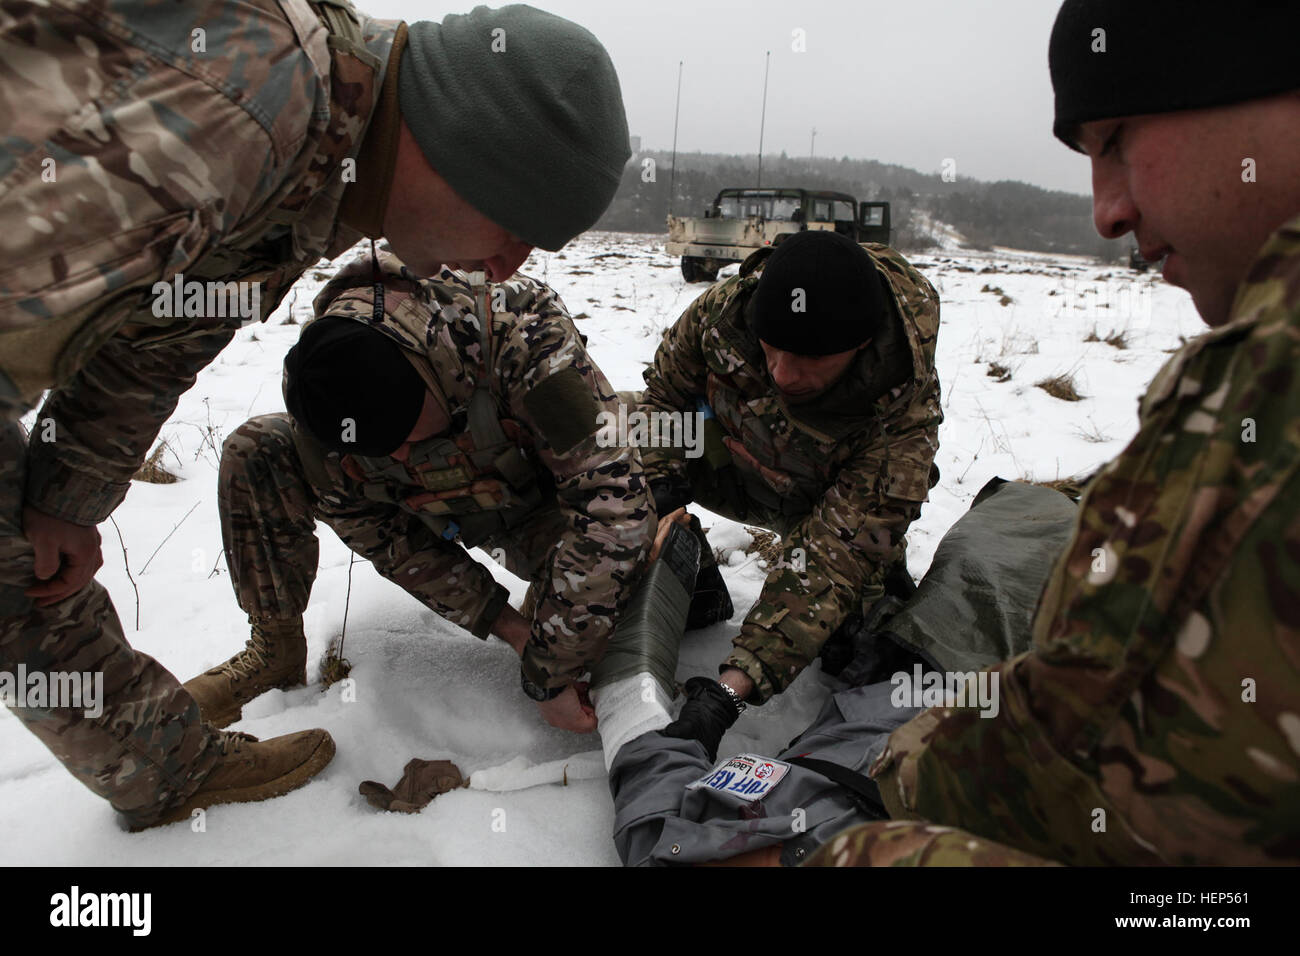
1113, 58
819, 293
342, 370
521, 112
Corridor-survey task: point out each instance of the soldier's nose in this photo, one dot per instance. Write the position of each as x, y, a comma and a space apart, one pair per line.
1114, 212
785, 375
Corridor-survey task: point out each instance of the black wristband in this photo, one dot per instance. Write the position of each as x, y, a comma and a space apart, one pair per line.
536, 691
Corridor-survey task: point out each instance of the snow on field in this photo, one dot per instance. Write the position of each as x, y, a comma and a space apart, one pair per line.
424, 688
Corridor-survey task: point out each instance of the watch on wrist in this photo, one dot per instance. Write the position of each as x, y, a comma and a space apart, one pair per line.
536, 691
735, 698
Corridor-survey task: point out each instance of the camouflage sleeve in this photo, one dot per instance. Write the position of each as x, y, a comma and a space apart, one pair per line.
99, 203
912, 843
1149, 723
836, 560
558, 392
92, 435
676, 378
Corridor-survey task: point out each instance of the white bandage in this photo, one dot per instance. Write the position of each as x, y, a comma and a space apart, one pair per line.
628, 708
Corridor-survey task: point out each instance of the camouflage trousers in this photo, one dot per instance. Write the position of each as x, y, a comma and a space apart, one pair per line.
272, 492
147, 749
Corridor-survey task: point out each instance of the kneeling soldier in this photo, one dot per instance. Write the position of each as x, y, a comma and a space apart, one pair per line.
416, 432
815, 370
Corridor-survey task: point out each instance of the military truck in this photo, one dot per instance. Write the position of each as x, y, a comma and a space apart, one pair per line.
741, 220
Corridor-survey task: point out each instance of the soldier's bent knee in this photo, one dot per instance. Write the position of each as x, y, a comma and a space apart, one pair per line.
266, 436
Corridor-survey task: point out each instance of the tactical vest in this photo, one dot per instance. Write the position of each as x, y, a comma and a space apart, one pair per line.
784, 496
478, 482
717, 475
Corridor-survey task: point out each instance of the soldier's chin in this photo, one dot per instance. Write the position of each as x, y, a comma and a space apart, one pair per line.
797, 398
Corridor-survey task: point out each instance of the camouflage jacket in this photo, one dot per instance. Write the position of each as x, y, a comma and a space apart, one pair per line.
546, 384
146, 141
850, 470
1157, 718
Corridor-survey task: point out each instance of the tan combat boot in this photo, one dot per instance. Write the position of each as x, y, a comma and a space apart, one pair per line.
249, 770
275, 656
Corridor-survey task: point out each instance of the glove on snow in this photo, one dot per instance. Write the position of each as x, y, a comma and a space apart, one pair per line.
422, 780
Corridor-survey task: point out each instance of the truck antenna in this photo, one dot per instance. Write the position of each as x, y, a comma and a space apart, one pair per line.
763, 121
672, 175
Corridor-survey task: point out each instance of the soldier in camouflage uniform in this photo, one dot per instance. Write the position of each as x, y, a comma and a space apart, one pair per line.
536, 488
816, 365
148, 141
1157, 718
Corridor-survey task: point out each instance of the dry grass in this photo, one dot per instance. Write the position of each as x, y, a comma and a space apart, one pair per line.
1060, 386
153, 471
1092, 433
1117, 340
999, 372
766, 543
1072, 488
334, 668
1003, 298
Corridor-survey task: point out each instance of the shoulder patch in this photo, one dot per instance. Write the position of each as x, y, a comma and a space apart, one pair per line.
564, 408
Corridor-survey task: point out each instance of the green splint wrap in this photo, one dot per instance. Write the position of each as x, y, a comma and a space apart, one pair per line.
650, 630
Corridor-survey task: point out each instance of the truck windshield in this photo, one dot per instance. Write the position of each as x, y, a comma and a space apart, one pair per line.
729, 207
766, 205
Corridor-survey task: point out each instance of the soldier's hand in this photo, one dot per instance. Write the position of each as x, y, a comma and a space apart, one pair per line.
707, 714
665, 526
67, 556
568, 711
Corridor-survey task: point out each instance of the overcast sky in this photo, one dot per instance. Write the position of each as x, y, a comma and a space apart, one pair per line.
911, 83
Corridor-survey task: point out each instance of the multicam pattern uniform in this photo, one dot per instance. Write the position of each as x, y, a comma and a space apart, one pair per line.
852, 468
164, 160
1163, 690
582, 546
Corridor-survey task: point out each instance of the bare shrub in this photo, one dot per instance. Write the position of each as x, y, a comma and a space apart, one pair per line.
1060, 386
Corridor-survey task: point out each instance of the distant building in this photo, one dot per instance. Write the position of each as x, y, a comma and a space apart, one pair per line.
636, 144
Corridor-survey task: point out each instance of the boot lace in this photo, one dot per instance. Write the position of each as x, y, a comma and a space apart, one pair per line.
255, 655
232, 741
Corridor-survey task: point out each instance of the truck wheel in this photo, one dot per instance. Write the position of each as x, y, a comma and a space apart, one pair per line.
690, 269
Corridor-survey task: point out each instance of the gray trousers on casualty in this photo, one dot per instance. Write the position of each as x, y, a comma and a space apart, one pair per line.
974, 607
657, 821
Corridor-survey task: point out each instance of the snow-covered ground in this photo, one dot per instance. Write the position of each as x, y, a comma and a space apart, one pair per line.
424, 688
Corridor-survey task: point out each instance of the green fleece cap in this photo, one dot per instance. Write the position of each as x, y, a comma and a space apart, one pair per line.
520, 111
